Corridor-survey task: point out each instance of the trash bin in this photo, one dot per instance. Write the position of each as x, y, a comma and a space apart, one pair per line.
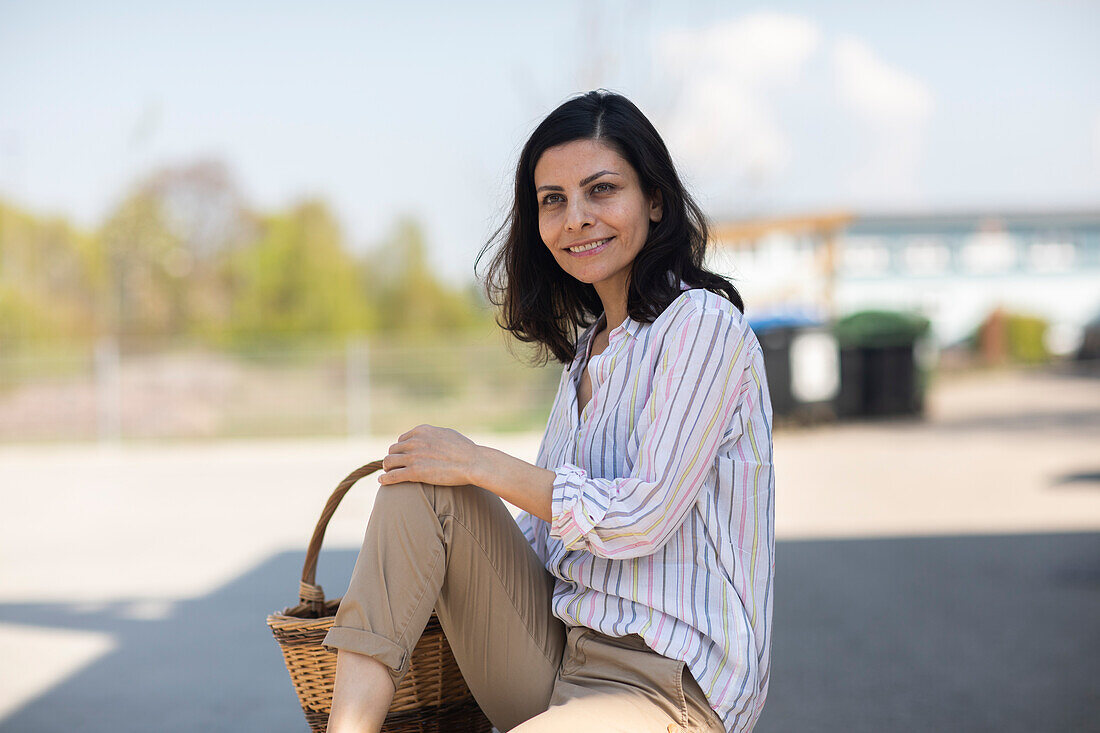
1088, 350
882, 367
800, 364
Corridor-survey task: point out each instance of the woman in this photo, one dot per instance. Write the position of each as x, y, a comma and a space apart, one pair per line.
633, 592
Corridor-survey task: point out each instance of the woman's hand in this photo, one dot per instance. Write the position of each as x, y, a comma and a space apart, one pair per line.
430, 455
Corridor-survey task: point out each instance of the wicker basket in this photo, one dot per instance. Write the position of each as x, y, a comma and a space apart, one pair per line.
433, 696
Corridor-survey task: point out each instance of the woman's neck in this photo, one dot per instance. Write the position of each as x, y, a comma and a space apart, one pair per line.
614, 304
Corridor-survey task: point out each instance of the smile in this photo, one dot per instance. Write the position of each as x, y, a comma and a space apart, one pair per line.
585, 248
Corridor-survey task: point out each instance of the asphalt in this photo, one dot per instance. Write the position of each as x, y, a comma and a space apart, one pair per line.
991, 633
941, 574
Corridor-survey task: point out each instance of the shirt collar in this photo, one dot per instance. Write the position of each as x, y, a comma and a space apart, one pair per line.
629, 327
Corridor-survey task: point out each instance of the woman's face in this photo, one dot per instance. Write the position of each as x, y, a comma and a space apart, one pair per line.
593, 214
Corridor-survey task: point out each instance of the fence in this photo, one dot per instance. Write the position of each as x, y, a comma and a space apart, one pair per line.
173, 390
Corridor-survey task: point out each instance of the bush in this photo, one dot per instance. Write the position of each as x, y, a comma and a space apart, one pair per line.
1013, 337
1025, 340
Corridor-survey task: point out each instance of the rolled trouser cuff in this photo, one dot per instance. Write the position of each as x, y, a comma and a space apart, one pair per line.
392, 655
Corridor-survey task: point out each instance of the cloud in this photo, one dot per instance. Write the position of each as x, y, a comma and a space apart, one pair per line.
894, 107
720, 115
757, 49
720, 120
876, 91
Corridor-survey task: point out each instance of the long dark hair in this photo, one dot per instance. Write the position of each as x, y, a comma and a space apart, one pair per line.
542, 304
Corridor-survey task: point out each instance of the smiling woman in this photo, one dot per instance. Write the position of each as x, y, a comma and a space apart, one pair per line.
633, 592
596, 226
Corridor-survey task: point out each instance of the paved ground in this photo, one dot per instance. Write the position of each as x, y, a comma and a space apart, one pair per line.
940, 574
973, 633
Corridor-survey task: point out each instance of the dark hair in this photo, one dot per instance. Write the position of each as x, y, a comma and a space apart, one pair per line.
539, 302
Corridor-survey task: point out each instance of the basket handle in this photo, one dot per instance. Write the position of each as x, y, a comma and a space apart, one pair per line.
308, 590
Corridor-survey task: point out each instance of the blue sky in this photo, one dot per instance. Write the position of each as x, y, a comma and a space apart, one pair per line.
421, 108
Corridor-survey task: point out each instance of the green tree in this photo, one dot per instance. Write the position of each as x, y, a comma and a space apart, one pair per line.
208, 221
409, 298
50, 278
146, 270
297, 279
182, 256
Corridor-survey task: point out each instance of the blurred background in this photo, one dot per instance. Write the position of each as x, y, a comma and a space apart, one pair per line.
237, 259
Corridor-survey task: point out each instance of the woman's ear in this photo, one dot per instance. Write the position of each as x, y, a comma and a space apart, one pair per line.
655, 206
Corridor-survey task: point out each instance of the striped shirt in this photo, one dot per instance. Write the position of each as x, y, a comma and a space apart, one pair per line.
663, 500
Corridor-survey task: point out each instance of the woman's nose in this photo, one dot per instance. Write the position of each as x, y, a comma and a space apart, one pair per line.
577, 213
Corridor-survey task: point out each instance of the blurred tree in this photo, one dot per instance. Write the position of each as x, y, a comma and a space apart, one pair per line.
408, 297
146, 284
207, 220
50, 279
163, 247
296, 279
203, 208
183, 256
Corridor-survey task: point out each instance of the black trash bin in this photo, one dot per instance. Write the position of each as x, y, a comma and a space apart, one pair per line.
800, 363
881, 372
1088, 351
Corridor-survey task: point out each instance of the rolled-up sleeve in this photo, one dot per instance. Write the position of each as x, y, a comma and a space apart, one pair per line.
574, 513
691, 410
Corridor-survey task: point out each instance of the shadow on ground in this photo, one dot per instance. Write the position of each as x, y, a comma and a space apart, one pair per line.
211, 665
974, 633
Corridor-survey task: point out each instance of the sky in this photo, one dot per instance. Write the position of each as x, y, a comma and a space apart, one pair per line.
396, 109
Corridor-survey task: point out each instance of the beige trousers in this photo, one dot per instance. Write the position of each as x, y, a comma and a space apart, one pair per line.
458, 550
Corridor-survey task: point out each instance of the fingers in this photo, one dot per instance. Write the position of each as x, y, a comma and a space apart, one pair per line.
406, 444
395, 477
408, 433
397, 465
393, 461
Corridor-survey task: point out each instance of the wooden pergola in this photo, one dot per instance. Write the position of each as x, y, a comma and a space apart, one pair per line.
747, 233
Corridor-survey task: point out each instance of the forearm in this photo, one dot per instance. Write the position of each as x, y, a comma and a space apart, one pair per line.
516, 481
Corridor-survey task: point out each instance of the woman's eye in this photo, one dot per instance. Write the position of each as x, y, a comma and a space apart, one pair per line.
550, 199
606, 187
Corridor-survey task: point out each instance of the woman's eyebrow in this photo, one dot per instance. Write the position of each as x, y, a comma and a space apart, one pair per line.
585, 182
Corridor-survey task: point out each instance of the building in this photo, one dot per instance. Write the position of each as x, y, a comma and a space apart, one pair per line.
954, 268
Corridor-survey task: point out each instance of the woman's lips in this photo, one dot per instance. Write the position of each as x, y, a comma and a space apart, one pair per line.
593, 251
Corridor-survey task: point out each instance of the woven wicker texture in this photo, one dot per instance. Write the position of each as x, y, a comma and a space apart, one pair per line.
433, 696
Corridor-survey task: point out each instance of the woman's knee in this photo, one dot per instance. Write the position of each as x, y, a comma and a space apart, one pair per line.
401, 499
455, 501
441, 499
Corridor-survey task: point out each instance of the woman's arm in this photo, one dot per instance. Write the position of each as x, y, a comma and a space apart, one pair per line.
516, 481
446, 457
698, 386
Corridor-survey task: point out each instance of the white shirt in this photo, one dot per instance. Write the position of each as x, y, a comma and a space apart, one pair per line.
663, 503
